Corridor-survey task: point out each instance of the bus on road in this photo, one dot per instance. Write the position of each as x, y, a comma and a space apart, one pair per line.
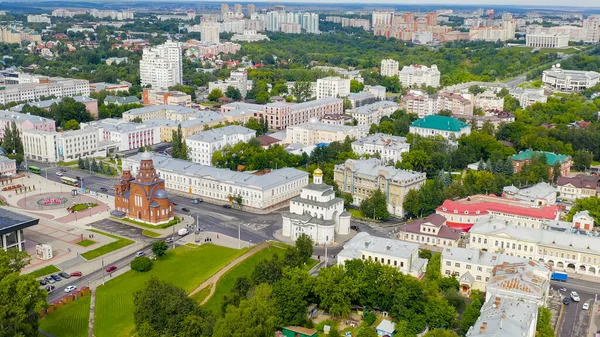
69, 181
34, 169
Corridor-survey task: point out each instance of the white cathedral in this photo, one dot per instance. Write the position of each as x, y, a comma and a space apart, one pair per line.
316, 213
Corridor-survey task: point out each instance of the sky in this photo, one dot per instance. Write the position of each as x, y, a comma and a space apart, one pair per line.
540, 3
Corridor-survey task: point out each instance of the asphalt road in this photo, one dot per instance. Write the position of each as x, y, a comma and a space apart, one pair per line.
575, 321
513, 83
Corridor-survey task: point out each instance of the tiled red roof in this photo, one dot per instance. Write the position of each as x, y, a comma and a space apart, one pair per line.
267, 140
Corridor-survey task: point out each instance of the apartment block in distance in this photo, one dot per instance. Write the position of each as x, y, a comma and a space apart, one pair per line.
162, 66
44, 86
333, 86
389, 67
418, 75
202, 145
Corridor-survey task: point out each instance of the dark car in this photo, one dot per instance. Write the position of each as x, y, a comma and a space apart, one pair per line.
227, 206
355, 228
55, 277
103, 189
43, 282
566, 301
111, 269
63, 170
76, 273
185, 209
196, 201
64, 275
78, 178
50, 288
174, 203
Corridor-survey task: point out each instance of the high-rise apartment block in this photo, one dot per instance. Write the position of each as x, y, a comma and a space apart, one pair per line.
333, 86
381, 18
418, 75
389, 67
161, 66
224, 10
209, 32
250, 9
591, 27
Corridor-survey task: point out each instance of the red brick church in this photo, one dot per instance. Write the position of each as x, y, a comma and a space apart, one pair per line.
144, 197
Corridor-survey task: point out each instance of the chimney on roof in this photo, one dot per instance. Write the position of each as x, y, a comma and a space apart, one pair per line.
497, 302
483, 327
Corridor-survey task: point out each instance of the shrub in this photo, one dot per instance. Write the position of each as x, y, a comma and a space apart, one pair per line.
370, 318
141, 263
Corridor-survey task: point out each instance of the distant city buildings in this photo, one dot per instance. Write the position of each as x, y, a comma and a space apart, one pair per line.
29, 88
152, 96
372, 113
388, 148
161, 66
389, 67
238, 79
316, 132
333, 86
418, 75
43, 18
209, 32
16, 33
111, 14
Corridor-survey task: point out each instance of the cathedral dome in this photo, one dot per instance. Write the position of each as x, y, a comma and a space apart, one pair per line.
161, 194
317, 172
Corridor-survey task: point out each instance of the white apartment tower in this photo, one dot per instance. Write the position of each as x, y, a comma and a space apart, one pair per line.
389, 67
162, 66
209, 32
241, 78
310, 23
333, 86
251, 9
418, 75
224, 10
381, 18
591, 27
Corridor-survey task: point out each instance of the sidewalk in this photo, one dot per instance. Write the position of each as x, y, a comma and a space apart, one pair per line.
594, 319
340, 239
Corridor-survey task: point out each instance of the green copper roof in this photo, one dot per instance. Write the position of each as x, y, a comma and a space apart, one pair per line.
551, 158
440, 123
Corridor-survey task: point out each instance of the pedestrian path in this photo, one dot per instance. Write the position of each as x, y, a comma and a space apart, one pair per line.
212, 281
92, 309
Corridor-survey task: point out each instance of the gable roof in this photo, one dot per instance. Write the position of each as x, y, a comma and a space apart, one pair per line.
579, 181
551, 158
443, 123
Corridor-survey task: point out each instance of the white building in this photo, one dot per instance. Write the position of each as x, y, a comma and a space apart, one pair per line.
8, 167
202, 145
126, 135
489, 101
569, 80
333, 86
381, 18
591, 28
372, 113
424, 37
38, 18
271, 190
209, 32
33, 89
540, 194
310, 23
52, 147
315, 132
418, 75
394, 253
529, 96
162, 66
502, 317
543, 40
249, 35
237, 79
390, 67
389, 148
317, 213
447, 127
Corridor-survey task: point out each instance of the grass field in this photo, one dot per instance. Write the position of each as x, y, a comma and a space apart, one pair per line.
47, 270
201, 295
554, 50
69, 321
520, 48
86, 243
110, 247
227, 281
139, 223
183, 267
150, 233
356, 213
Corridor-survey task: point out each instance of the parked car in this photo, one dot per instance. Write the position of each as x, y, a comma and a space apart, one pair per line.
76, 273
68, 289
50, 280
58, 173
566, 301
185, 209
169, 240
63, 170
197, 201
574, 296
111, 269
585, 306
355, 228
56, 277
64, 275
50, 288
78, 178
227, 206
103, 189
43, 282
140, 253
174, 203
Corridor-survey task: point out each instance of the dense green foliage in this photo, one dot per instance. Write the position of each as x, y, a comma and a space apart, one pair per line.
159, 248
141, 263
544, 323
591, 204
375, 206
62, 112
12, 143
179, 147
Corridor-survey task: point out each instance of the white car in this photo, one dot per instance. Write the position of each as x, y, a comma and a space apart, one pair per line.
585, 306
68, 289
59, 174
574, 296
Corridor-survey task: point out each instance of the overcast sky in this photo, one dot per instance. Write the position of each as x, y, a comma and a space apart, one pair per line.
541, 3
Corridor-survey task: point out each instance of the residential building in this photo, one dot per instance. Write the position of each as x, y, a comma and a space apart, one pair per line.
316, 132
335, 119
496, 118
447, 127
358, 99
545, 40
455, 103
161, 66
430, 231
38, 18
422, 38
45, 86
362, 177
540, 194
419, 103
372, 113
578, 187
463, 213
389, 148
394, 253
126, 135
159, 97
91, 104
25, 122
202, 145
333, 86
116, 60
110, 87
473, 267
237, 79
17, 33
171, 112
143, 197
386, 328
489, 101
197, 122
40, 145
209, 32
591, 29
8, 167
562, 161
259, 191
290, 28
381, 18
568, 250
281, 115
316, 212
418, 75
250, 9
12, 227
249, 35
569, 80
529, 96
390, 67
121, 100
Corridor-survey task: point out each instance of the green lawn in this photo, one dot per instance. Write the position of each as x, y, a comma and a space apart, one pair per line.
183, 267
107, 248
520, 48
558, 50
86, 243
47, 270
356, 213
226, 282
69, 321
68, 163
139, 223
201, 295
150, 233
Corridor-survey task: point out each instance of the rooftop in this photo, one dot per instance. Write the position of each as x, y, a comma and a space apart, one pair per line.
217, 134
551, 158
381, 139
370, 108
363, 241
11, 221
507, 318
173, 108
373, 167
565, 74
478, 257
21, 117
47, 103
443, 123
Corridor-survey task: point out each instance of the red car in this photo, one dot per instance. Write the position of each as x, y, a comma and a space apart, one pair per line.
111, 269
76, 273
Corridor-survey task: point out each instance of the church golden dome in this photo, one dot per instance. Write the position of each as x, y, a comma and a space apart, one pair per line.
318, 172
